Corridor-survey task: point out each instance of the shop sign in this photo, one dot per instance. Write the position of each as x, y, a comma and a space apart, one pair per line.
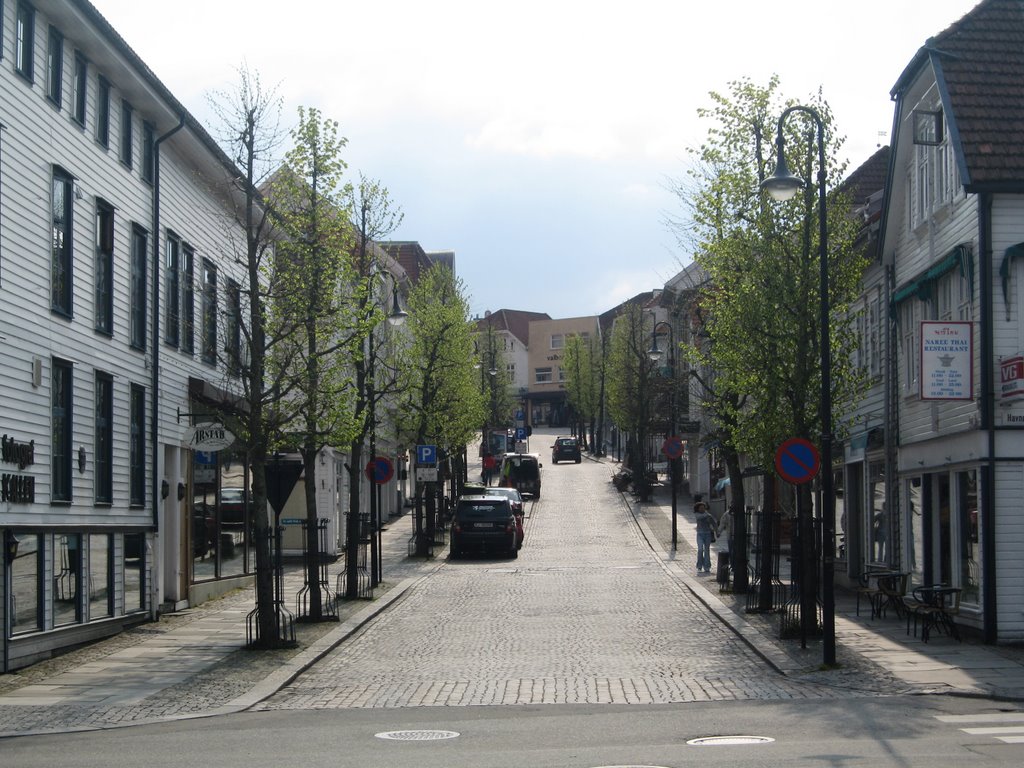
211, 436
17, 488
947, 357
1011, 377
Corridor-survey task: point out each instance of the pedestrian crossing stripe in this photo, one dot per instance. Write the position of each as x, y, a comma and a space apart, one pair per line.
1008, 734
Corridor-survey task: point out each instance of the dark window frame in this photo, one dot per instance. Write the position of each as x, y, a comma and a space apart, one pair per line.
127, 140
209, 332
55, 66
104, 439
80, 89
103, 112
137, 446
233, 328
104, 286
137, 299
188, 299
172, 289
25, 40
61, 429
148, 149
62, 229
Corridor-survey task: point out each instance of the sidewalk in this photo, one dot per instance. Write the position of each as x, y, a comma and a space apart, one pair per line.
192, 663
865, 648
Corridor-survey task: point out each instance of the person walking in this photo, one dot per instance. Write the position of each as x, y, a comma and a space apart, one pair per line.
706, 525
490, 466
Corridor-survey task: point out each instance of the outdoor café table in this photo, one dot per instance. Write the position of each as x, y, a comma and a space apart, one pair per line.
935, 605
887, 591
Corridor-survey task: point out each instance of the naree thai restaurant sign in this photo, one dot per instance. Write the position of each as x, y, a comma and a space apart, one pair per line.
947, 371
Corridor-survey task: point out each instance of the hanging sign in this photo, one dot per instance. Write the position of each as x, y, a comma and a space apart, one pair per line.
947, 370
1011, 377
211, 436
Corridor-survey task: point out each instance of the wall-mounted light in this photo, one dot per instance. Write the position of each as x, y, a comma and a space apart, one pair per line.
79, 194
10, 546
181, 491
81, 459
165, 489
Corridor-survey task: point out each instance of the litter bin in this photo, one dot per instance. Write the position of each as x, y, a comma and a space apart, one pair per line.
722, 574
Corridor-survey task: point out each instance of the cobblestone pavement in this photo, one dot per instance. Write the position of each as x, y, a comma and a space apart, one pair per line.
587, 614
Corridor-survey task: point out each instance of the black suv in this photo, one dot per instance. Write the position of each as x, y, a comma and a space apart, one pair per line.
567, 448
482, 524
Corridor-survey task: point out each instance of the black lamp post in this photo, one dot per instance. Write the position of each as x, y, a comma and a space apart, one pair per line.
783, 185
655, 354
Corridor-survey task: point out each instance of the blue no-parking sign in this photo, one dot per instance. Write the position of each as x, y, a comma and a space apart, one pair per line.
797, 460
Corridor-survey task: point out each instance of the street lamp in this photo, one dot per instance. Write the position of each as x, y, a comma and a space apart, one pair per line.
654, 353
783, 185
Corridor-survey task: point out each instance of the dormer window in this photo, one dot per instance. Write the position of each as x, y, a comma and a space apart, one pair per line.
928, 127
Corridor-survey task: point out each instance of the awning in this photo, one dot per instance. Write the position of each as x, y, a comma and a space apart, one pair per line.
923, 285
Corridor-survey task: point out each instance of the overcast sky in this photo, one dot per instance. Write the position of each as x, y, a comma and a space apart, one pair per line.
536, 138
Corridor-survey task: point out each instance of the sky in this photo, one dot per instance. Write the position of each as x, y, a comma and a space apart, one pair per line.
539, 139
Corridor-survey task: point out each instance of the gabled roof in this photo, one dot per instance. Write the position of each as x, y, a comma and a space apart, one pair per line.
979, 67
515, 321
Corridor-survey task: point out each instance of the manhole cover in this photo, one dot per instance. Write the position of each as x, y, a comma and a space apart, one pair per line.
729, 741
416, 735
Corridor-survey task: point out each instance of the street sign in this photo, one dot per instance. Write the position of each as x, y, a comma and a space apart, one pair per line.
520, 433
380, 469
797, 460
426, 454
426, 474
673, 447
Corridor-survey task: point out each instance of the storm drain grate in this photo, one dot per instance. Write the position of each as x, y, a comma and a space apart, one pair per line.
416, 735
729, 741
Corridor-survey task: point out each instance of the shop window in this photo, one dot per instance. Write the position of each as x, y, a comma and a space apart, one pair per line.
101, 576
133, 570
26, 579
67, 576
970, 552
915, 500
880, 530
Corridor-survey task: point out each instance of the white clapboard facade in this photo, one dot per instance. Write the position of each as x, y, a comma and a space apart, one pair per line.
117, 287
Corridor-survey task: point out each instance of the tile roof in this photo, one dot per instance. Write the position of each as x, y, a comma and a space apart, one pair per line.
515, 321
979, 65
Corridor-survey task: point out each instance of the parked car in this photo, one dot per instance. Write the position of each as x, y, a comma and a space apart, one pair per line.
483, 524
516, 500
522, 472
566, 448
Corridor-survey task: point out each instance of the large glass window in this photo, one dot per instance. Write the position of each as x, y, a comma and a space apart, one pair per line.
970, 553
881, 525
55, 67
104, 267
542, 375
67, 577
61, 426
62, 237
221, 515
172, 289
24, 40
137, 298
26, 570
209, 312
133, 573
101, 575
104, 447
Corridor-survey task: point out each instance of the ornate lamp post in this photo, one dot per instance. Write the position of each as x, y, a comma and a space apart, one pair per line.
783, 185
655, 354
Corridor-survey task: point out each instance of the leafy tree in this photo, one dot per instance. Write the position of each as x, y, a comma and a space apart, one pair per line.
583, 363
497, 383
309, 198
248, 129
630, 376
374, 217
441, 403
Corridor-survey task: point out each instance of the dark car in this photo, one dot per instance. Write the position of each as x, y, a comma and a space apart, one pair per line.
522, 472
516, 500
483, 524
566, 449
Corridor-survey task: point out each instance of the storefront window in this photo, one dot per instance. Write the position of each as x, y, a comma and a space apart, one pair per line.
840, 514
234, 513
915, 513
25, 581
880, 527
221, 515
133, 573
67, 575
101, 602
967, 512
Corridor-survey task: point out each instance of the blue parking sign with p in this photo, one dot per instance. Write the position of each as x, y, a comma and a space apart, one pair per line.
426, 454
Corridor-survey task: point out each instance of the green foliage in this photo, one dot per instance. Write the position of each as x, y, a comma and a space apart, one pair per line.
583, 363
495, 389
441, 401
761, 304
630, 373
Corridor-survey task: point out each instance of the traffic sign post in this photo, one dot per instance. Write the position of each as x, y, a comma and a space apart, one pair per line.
797, 460
379, 470
673, 447
426, 454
